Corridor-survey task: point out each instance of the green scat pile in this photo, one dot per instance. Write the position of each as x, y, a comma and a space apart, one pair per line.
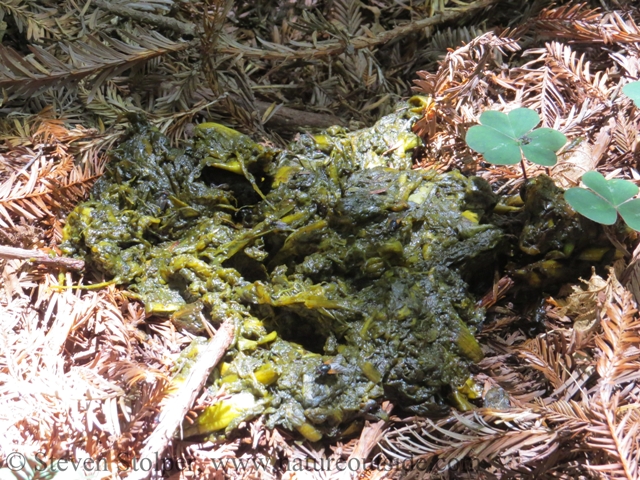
342, 267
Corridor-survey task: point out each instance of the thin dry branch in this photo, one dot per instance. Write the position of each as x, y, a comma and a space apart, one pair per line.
291, 119
161, 21
38, 257
178, 405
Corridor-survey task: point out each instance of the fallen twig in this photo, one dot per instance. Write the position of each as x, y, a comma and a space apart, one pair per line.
177, 406
285, 118
161, 21
291, 119
36, 256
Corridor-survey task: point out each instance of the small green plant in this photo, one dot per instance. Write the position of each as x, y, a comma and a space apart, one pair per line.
632, 90
603, 199
504, 139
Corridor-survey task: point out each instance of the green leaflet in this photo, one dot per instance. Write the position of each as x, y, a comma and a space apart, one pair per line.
632, 90
591, 206
504, 139
603, 199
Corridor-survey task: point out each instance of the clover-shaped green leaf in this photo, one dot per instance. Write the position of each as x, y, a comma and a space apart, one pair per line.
630, 213
604, 199
595, 208
504, 139
632, 90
